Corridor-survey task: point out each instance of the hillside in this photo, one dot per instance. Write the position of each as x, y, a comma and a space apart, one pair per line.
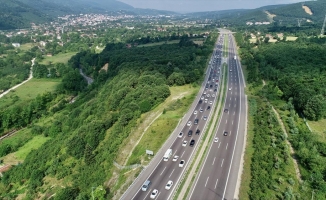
16, 14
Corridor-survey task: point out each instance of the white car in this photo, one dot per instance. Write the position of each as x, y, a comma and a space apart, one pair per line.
175, 158
205, 118
182, 162
201, 110
213, 95
211, 102
195, 113
202, 98
208, 95
154, 194
189, 123
229, 89
216, 139
184, 143
180, 135
206, 100
169, 185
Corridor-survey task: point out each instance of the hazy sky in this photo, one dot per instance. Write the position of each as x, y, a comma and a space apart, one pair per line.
203, 5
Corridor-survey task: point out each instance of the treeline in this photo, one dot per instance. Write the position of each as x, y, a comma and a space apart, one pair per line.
296, 68
91, 129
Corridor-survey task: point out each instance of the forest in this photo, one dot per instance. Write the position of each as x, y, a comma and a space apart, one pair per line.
295, 76
86, 134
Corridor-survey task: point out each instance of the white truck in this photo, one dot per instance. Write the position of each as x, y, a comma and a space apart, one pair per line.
235, 57
167, 155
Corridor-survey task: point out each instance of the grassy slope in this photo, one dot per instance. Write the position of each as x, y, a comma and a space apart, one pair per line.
60, 58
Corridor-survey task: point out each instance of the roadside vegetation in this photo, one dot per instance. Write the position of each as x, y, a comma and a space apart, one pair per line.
294, 72
83, 138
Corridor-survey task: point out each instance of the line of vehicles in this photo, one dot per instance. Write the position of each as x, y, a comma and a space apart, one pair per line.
205, 104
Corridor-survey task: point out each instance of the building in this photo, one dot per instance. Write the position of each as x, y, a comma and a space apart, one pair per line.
16, 44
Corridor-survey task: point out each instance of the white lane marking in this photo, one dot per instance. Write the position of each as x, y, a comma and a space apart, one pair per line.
227, 144
222, 163
147, 194
183, 138
235, 99
219, 145
206, 181
229, 105
214, 161
232, 122
175, 153
234, 113
171, 173
230, 98
226, 122
182, 154
162, 171
158, 195
216, 183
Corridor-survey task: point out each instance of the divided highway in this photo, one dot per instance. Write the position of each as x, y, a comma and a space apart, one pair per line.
217, 177
160, 172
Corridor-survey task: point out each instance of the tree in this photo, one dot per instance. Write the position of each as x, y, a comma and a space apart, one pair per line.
315, 108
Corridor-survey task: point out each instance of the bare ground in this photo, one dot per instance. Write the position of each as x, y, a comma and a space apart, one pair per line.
307, 10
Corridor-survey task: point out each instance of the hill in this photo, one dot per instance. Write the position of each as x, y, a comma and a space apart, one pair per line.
16, 14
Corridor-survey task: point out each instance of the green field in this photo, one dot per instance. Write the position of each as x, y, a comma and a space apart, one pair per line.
34, 143
26, 47
159, 43
29, 91
60, 58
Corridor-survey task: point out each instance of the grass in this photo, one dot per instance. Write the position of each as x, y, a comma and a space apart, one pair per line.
60, 58
26, 47
225, 46
318, 127
160, 130
34, 143
159, 43
29, 91
291, 38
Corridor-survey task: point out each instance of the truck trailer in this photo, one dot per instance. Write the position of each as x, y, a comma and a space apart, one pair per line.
167, 155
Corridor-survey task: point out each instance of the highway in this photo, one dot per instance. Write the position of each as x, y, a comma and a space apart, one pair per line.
159, 172
218, 175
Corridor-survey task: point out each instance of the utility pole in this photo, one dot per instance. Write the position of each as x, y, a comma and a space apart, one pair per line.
323, 28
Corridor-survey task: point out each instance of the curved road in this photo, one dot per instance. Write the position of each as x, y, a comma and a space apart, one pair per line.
18, 85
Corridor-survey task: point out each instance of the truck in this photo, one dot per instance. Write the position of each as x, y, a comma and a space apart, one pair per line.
167, 155
235, 57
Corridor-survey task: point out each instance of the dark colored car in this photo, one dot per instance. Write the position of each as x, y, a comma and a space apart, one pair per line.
192, 143
200, 101
215, 90
190, 133
208, 107
196, 121
225, 133
226, 110
197, 132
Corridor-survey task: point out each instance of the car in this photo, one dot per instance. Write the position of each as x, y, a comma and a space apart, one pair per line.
215, 90
197, 132
211, 102
205, 118
189, 123
225, 133
200, 101
206, 100
213, 95
175, 158
195, 113
229, 89
205, 92
208, 95
202, 98
208, 107
201, 110
226, 110
230, 70
180, 135
216, 139
192, 143
182, 162
154, 194
184, 143
211, 86
196, 121
190, 133
169, 185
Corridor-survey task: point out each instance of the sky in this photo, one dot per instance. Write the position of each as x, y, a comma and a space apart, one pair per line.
184, 6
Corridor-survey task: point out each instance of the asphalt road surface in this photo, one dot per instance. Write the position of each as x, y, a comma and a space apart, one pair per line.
160, 172
218, 176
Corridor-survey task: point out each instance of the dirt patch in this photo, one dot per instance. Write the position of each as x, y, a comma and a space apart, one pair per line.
270, 16
105, 67
307, 10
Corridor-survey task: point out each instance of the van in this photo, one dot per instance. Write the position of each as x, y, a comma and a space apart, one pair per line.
146, 185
